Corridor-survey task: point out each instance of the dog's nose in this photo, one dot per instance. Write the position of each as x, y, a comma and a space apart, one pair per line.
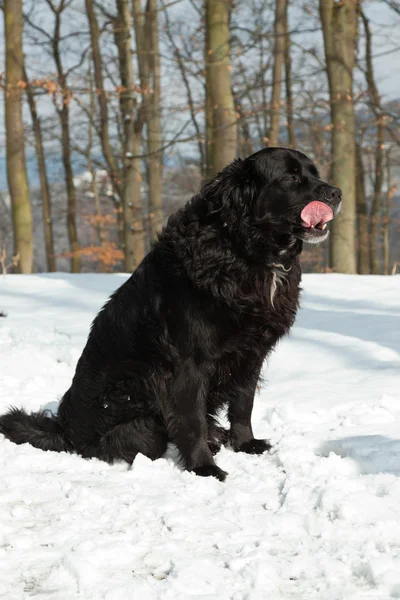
333, 194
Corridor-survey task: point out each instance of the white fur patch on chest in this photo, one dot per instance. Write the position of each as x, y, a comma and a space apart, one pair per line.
279, 276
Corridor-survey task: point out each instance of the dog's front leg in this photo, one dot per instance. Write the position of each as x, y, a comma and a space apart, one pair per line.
241, 398
186, 420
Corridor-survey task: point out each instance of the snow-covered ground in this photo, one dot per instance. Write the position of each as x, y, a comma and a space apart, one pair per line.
318, 517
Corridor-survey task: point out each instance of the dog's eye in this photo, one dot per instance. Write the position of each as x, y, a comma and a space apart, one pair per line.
292, 178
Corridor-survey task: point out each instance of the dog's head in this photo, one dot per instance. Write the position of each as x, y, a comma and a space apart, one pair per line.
280, 189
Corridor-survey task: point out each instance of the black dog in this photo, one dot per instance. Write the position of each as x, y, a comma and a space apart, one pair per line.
188, 333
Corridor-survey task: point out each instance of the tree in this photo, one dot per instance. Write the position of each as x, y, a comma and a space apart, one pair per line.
391, 189
132, 178
279, 55
220, 111
63, 109
108, 154
339, 25
288, 80
16, 166
363, 255
99, 224
44, 182
111, 160
375, 104
148, 61
133, 116
154, 161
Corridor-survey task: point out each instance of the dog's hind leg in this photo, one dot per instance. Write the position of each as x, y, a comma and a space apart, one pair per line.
142, 435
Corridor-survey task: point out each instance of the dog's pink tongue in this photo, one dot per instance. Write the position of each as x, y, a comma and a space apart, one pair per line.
316, 212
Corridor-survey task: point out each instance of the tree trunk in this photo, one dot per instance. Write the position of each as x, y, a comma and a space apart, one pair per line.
132, 179
362, 217
63, 113
209, 169
44, 182
111, 161
71, 191
386, 215
154, 142
339, 24
379, 150
220, 110
101, 235
101, 94
16, 166
279, 55
288, 80
139, 23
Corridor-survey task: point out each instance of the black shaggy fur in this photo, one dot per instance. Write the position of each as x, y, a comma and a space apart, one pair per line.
187, 334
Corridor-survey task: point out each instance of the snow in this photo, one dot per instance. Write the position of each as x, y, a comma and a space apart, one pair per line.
318, 517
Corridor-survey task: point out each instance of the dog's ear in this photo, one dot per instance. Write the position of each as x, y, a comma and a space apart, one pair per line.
232, 193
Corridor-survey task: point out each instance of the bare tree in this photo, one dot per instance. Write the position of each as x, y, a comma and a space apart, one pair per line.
154, 141
44, 182
91, 168
220, 111
16, 166
63, 111
132, 178
108, 154
376, 106
288, 80
279, 56
148, 60
339, 24
391, 188
363, 260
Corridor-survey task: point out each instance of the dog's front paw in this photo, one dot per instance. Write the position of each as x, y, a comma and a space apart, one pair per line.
217, 437
210, 471
254, 447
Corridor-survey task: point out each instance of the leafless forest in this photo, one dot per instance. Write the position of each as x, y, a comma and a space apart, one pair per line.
116, 111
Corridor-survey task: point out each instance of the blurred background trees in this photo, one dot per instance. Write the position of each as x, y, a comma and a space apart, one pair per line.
116, 111
16, 165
